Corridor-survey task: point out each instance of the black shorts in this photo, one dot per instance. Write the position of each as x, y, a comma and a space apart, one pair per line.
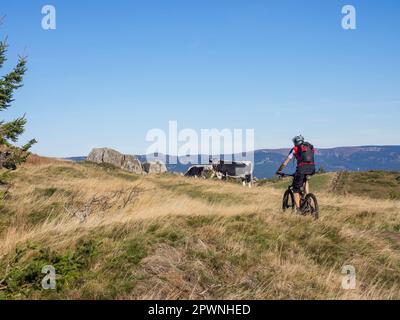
301, 175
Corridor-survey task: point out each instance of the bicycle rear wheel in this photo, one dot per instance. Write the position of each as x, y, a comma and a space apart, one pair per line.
310, 206
288, 200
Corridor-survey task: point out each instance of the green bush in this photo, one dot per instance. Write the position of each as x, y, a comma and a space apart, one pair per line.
25, 268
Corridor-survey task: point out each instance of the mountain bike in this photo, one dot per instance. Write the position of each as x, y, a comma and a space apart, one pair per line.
308, 202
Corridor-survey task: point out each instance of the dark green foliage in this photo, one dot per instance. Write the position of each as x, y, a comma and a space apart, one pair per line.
10, 155
24, 272
135, 251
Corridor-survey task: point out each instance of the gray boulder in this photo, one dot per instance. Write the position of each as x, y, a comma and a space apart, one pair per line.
113, 157
96, 155
110, 156
154, 167
132, 164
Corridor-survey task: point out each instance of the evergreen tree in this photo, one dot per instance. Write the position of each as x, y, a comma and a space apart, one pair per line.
10, 155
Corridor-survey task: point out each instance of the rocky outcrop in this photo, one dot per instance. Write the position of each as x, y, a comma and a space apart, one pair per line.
132, 164
154, 167
110, 156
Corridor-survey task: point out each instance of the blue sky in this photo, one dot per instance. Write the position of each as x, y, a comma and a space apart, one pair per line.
112, 70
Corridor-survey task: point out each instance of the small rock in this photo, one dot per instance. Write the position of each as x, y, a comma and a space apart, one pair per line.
154, 167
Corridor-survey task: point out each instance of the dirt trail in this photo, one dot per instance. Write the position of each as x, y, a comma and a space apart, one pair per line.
336, 181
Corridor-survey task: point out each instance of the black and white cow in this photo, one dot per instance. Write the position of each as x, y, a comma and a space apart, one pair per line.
198, 171
242, 170
235, 169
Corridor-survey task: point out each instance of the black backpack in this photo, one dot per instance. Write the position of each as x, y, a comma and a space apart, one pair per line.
306, 153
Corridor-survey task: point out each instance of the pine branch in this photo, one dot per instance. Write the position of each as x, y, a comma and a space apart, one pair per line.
11, 130
10, 155
3, 50
10, 82
28, 145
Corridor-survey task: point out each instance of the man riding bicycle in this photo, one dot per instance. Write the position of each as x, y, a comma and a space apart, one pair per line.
304, 154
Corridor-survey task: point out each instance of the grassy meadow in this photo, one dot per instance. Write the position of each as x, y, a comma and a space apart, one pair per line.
115, 235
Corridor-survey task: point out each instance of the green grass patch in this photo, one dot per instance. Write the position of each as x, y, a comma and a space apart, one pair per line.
373, 184
45, 192
6, 216
61, 171
39, 216
111, 170
198, 192
318, 182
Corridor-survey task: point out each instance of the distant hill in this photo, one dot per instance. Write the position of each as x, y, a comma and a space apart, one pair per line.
362, 158
77, 159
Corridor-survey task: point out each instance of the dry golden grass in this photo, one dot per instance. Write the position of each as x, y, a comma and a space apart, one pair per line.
169, 237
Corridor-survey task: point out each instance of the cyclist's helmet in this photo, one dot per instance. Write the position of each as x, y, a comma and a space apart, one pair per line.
298, 140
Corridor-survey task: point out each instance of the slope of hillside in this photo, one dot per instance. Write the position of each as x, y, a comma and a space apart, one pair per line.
374, 184
111, 234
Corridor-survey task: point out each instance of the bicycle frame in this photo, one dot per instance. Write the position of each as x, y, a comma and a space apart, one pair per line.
306, 187
306, 207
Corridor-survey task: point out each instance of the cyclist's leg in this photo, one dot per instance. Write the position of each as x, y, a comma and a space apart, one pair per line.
297, 198
298, 181
308, 172
306, 186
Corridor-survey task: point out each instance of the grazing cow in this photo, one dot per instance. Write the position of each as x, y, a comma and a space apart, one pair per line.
198, 171
242, 170
235, 169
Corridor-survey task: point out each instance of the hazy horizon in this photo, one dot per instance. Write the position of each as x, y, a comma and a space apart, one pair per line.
261, 149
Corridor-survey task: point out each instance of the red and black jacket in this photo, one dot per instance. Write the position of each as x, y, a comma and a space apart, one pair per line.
304, 154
